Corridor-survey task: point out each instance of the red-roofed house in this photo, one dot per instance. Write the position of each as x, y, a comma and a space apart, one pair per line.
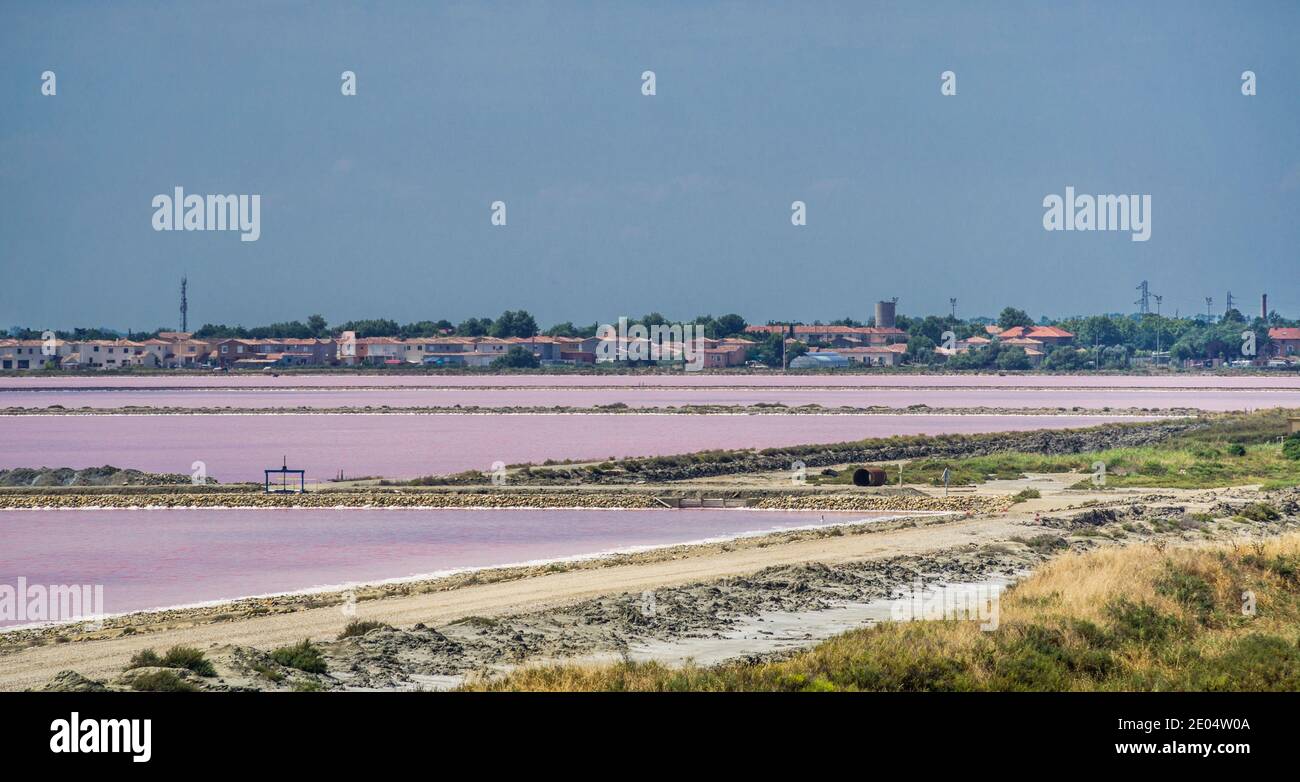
848, 336
971, 342
1286, 342
878, 355
1048, 335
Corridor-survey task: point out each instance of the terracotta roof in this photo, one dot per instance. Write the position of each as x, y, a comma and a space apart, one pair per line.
27, 343
125, 343
1036, 332
1284, 333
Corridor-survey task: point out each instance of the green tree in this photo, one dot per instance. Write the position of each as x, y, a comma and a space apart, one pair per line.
920, 349
1291, 447
514, 323
517, 357
729, 325
1066, 359
474, 327
374, 327
1013, 358
1012, 317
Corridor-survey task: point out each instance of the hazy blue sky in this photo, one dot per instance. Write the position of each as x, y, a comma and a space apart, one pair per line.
378, 205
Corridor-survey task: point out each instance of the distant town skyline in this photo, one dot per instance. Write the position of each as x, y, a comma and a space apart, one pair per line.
1242, 306
380, 204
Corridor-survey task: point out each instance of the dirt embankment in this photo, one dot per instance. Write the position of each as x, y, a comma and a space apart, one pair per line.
708, 464
625, 500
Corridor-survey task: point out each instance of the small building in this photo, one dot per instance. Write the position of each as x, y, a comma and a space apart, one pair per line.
1044, 335
30, 354
834, 335
1285, 341
875, 356
825, 359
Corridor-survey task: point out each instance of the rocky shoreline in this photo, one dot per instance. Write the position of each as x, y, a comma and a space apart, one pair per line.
484, 498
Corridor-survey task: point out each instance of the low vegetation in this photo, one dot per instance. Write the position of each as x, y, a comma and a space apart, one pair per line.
358, 628
1212, 618
1232, 450
177, 657
1025, 494
161, 681
304, 656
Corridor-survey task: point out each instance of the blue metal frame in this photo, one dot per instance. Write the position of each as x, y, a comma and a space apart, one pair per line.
283, 471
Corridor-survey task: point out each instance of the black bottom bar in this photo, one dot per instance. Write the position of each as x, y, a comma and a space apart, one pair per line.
320, 731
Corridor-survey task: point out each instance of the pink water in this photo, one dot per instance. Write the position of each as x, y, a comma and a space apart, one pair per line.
158, 558
1203, 391
659, 397
238, 447
684, 379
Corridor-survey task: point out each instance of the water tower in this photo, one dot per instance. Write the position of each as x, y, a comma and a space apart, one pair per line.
885, 313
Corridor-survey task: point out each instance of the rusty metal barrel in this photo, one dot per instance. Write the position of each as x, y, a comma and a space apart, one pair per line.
869, 476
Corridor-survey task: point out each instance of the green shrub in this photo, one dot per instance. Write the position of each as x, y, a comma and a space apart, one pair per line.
267, 671
1255, 662
161, 681
358, 628
1260, 512
1141, 623
303, 656
1025, 494
145, 658
177, 657
1291, 447
1044, 544
1189, 589
189, 658
1288, 568
1236, 449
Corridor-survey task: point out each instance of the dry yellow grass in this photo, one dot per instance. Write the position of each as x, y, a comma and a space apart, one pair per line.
1209, 617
